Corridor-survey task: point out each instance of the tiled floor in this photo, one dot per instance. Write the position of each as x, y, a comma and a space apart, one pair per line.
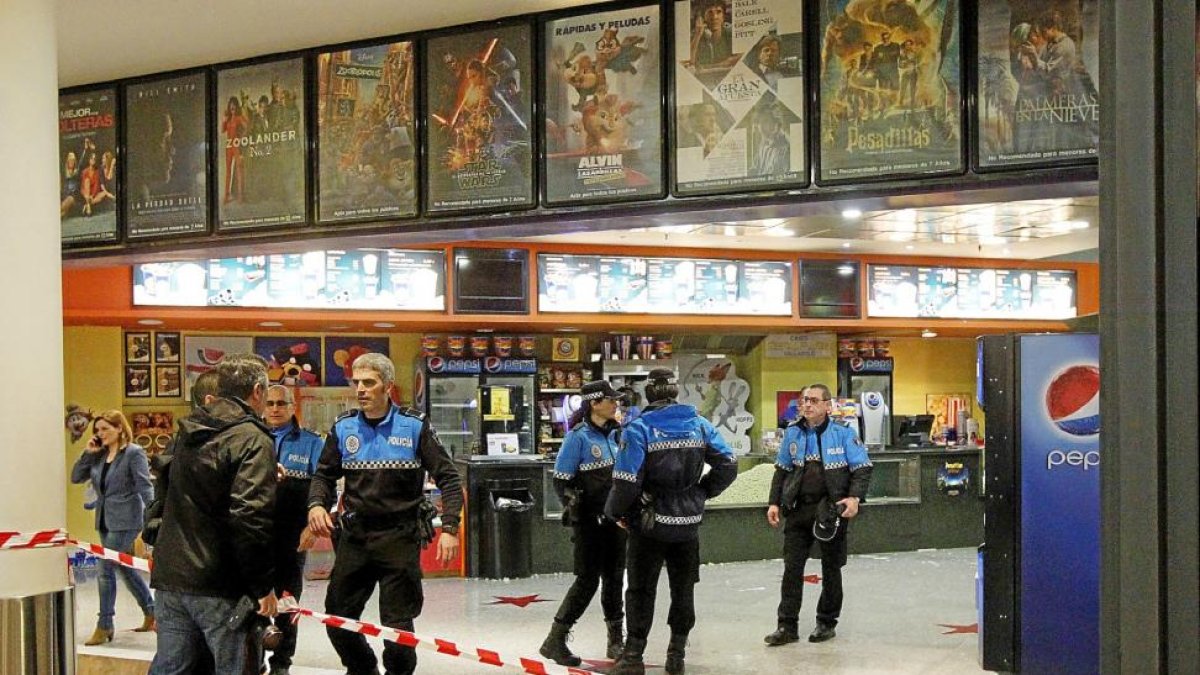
891, 621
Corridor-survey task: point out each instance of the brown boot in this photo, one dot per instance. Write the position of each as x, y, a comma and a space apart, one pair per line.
148, 625
616, 638
630, 662
99, 637
675, 654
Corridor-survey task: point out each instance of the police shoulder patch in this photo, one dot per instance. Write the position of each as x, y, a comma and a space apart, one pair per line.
412, 412
597, 452
794, 448
352, 444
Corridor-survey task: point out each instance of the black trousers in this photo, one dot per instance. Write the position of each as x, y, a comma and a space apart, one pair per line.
599, 563
392, 559
289, 578
797, 544
646, 559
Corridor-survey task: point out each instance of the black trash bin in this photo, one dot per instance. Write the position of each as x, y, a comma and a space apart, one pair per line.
506, 543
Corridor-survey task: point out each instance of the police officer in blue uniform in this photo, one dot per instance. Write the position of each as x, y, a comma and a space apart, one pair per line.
658, 493
822, 469
297, 451
383, 451
582, 478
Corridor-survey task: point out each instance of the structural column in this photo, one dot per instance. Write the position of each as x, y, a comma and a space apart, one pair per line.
32, 472
1150, 589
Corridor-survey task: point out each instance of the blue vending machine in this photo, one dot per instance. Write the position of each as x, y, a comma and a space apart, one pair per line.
1040, 607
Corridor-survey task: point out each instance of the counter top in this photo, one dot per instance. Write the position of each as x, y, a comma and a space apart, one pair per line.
929, 450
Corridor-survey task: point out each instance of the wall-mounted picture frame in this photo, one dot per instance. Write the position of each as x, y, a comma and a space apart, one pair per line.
262, 145
168, 382
166, 347
89, 180
137, 382
138, 347
294, 361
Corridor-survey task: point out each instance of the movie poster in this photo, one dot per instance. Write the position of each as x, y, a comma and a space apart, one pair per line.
890, 88
365, 133
603, 102
739, 95
478, 121
87, 150
166, 150
262, 146
1038, 85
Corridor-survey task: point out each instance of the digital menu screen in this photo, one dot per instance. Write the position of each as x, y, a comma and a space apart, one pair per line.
970, 293
340, 279
632, 285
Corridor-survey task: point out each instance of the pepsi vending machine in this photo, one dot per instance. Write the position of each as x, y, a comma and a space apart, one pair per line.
1040, 562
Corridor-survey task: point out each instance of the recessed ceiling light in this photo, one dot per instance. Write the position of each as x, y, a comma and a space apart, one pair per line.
485, 330
909, 247
270, 324
845, 244
1007, 252
851, 214
568, 329
384, 324
780, 232
339, 327
150, 322
928, 333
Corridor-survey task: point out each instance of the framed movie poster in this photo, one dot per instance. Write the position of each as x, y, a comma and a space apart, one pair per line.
292, 361
478, 120
166, 347
88, 178
137, 381
602, 90
739, 95
166, 152
137, 347
341, 352
262, 147
890, 89
168, 382
1037, 92
366, 138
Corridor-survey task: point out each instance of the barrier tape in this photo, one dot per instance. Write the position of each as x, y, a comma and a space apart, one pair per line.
125, 559
446, 647
43, 539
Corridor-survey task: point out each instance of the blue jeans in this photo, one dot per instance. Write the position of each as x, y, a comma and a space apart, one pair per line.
120, 540
192, 627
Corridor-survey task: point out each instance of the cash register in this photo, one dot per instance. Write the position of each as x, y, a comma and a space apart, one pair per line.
912, 431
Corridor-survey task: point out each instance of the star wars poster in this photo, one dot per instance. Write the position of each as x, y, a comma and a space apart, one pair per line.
603, 103
739, 95
87, 169
1037, 92
262, 146
166, 149
479, 119
365, 133
890, 88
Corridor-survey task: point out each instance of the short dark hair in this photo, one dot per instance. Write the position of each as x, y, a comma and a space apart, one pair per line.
204, 386
238, 374
825, 393
662, 385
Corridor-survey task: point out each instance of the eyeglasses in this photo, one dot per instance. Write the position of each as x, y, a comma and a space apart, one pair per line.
277, 404
814, 400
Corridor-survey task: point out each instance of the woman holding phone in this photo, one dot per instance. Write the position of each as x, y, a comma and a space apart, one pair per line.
120, 475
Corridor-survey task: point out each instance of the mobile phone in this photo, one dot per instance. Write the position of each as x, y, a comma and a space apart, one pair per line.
97, 442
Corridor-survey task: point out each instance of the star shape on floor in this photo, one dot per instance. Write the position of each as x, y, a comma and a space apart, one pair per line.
959, 628
517, 600
812, 579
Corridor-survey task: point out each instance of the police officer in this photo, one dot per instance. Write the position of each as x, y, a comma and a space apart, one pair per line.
297, 452
659, 493
584, 471
383, 451
822, 468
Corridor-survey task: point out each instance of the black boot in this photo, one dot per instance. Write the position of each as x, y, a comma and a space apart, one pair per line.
616, 638
675, 651
630, 661
555, 646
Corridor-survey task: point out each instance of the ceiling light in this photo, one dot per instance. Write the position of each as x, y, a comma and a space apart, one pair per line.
1068, 225
908, 247
384, 324
845, 270
270, 324
928, 333
851, 214
485, 330
339, 327
1006, 252
730, 231
150, 322
568, 329
845, 244
780, 232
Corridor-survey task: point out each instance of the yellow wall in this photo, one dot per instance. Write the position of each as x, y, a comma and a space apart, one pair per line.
767, 376
933, 366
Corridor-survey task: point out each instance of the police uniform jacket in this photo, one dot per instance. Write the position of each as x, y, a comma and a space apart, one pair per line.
661, 460
384, 463
585, 462
843, 457
298, 451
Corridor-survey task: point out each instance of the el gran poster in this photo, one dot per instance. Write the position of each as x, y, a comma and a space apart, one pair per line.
890, 89
603, 101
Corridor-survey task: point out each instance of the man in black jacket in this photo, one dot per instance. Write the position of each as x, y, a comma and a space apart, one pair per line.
213, 550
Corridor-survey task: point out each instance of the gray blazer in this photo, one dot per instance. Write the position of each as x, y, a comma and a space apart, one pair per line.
128, 490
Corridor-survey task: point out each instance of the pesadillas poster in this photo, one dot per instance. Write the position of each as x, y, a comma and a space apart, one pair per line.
739, 95
365, 133
890, 88
166, 152
87, 150
603, 105
1038, 84
262, 147
479, 119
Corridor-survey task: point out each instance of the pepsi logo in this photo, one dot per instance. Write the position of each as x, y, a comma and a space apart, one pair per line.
873, 400
1073, 400
492, 364
436, 364
856, 364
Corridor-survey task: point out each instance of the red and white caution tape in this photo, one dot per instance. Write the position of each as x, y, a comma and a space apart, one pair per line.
115, 556
43, 539
446, 647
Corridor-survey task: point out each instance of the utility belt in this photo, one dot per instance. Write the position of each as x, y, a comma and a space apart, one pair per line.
418, 525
